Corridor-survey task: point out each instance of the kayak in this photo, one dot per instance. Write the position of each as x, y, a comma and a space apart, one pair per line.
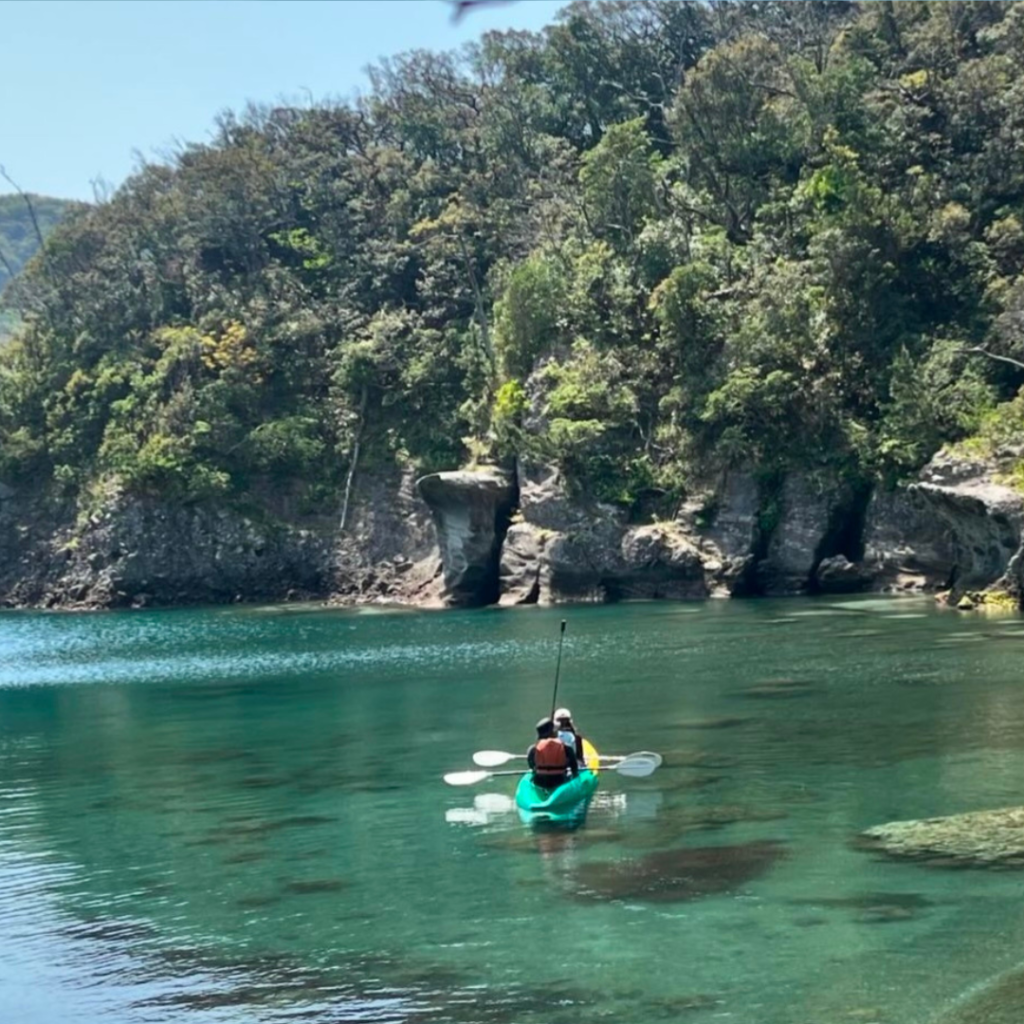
567, 802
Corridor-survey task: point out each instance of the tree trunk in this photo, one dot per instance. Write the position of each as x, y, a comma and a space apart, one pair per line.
481, 313
354, 460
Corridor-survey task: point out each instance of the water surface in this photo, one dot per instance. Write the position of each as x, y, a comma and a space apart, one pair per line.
236, 815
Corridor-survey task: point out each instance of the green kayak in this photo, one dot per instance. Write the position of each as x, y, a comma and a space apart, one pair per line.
565, 798
568, 803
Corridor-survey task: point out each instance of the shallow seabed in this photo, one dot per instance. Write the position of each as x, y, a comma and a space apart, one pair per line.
236, 815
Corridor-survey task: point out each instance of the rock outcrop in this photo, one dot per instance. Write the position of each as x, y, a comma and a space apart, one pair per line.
565, 550
141, 553
958, 528
471, 511
134, 552
725, 524
388, 550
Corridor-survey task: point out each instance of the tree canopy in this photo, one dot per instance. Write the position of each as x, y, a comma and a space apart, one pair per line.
657, 239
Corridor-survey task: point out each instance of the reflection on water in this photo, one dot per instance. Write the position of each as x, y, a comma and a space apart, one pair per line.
237, 815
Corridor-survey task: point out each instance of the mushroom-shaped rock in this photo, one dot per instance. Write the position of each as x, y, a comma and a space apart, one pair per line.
471, 511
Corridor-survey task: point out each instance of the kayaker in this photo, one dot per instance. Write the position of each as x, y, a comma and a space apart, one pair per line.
568, 733
551, 761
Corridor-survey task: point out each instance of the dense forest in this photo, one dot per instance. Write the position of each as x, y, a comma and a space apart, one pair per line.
19, 239
657, 239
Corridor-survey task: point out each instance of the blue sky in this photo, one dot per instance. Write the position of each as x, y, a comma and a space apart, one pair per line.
88, 83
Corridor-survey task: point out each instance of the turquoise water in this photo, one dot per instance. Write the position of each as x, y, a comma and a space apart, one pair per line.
238, 816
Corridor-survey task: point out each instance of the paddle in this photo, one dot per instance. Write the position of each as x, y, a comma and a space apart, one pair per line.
635, 766
496, 758
558, 668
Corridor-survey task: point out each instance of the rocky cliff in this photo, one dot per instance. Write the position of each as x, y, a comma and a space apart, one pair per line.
957, 529
138, 552
475, 538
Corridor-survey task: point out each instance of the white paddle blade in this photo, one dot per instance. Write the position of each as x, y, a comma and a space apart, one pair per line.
637, 768
465, 778
650, 755
494, 758
647, 755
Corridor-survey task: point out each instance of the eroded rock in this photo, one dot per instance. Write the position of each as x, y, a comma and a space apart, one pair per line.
471, 511
957, 528
523, 567
803, 514
725, 525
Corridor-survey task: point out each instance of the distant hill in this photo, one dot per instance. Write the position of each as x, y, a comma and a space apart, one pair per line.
18, 241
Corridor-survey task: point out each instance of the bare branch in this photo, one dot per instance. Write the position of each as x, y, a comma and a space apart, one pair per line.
28, 202
6, 265
992, 355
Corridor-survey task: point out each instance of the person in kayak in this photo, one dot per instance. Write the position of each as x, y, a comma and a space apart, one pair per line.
551, 761
568, 733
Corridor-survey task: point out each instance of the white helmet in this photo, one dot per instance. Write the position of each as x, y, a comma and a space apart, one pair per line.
563, 715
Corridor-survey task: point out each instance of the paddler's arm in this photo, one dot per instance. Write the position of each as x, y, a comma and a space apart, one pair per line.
531, 760
574, 764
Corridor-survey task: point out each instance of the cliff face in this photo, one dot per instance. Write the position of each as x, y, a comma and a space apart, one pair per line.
958, 528
475, 538
137, 553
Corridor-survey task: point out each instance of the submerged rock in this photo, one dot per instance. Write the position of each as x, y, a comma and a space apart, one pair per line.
872, 907
998, 1002
778, 688
979, 839
675, 875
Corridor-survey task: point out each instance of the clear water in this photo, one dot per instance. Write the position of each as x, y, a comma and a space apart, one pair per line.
238, 816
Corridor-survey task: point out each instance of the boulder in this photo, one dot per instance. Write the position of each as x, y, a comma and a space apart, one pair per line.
838, 575
661, 561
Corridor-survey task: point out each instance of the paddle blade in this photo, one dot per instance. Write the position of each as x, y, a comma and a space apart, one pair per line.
646, 755
650, 755
465, 778
635, 768
494, 758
